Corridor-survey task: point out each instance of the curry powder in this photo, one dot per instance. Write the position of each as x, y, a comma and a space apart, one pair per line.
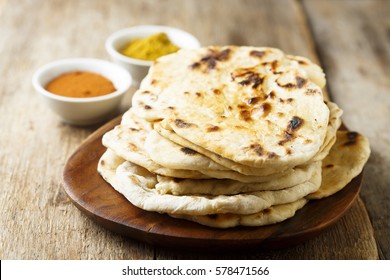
150, 48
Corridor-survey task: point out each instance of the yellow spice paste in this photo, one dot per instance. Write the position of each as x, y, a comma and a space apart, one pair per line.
150, 48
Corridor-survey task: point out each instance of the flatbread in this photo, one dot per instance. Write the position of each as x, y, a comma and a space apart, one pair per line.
243, 169
344, 162
135, 183
167, 153
254, 106
107, 166
127, 140
109, 162
333, 125
272, 215
231, 136
171, 155
175, 186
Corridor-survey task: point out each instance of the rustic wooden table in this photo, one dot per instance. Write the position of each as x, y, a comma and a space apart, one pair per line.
349, 38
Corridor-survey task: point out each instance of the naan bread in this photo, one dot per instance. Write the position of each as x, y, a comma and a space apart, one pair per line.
107, 166
230, 136
127, 140
109, 162
272, 215
344, 162
254, 106
137, 185
333, 126
175, 186
243, 169
172, 155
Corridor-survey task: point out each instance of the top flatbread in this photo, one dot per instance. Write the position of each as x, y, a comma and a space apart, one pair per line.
254, 106
164, 151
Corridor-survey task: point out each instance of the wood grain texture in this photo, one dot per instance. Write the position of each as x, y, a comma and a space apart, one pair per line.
38, 221
357, 244
353, 39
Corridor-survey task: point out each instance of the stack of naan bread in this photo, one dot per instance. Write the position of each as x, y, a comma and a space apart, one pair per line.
229, 136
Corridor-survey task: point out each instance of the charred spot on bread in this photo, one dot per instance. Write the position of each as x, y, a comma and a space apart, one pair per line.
245, 115
195, 65
182, 124
178, 180
209, 62
352, 138
266, 108
301, 62
253, 100
188, 151
258, 54
216, 91
299, 83
271, 95
294, 124
213, 128
271, 155
247, 76
267, 210
257, 148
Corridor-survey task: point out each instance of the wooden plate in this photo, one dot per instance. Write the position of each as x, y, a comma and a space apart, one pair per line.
96, 198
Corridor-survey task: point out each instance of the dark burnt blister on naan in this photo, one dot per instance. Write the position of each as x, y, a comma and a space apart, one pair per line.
211, 59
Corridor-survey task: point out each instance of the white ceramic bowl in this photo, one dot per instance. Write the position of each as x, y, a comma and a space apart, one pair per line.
137, 67
83, 111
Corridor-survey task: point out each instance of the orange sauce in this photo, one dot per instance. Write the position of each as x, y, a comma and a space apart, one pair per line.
80, 84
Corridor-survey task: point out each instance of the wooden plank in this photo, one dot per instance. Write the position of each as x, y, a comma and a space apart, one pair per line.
353, 41
332, 244
38, 221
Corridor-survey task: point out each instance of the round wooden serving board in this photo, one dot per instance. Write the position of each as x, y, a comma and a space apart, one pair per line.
96, 198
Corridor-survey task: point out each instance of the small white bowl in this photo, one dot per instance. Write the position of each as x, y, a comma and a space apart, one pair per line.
137, 67
83, 111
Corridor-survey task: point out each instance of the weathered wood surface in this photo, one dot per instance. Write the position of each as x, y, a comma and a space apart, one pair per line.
353, 41
37, 219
